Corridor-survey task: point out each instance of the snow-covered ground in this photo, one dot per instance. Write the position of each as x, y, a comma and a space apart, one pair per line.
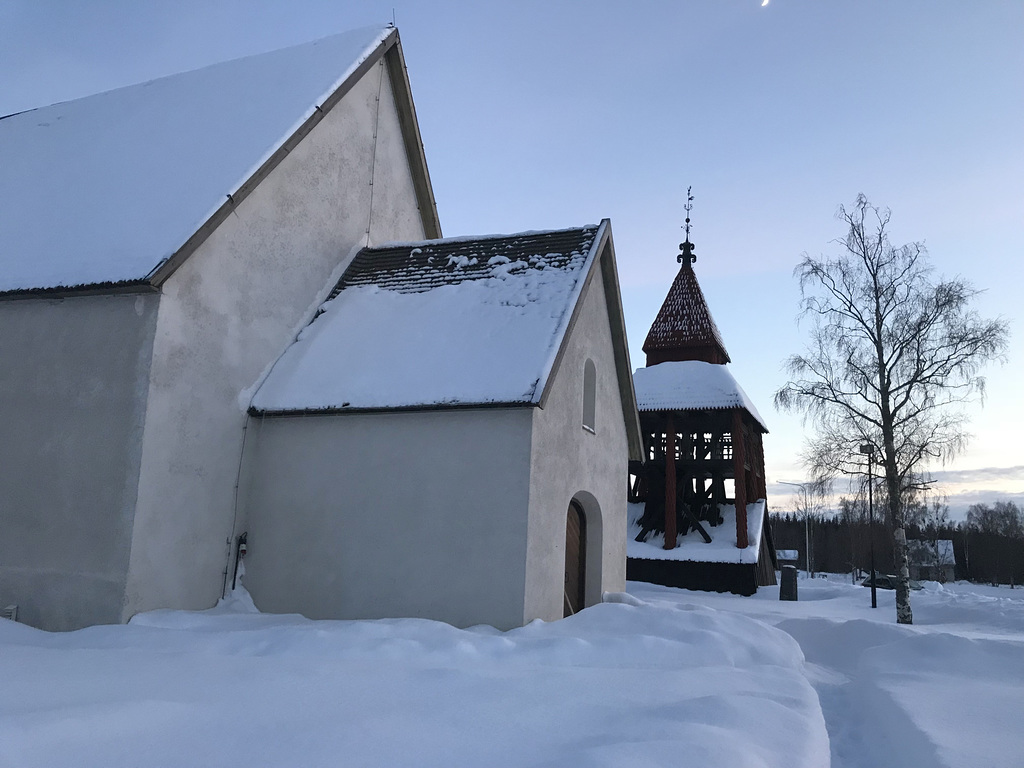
657, 677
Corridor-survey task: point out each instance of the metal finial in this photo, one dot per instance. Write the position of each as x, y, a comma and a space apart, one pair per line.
686, 248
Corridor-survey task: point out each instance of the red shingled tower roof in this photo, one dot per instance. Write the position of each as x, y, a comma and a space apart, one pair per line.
684, 328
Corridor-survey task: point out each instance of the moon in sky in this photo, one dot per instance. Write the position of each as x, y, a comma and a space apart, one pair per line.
764, 3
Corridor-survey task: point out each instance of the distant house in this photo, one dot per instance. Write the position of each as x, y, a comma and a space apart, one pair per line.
163, 245
931, 560
698, 517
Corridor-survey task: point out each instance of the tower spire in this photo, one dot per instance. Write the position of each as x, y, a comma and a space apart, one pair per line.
684, 328
686, 254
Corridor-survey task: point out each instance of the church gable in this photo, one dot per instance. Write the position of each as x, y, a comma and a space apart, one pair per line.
130, 181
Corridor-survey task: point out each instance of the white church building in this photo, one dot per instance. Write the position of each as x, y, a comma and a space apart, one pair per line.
225, 309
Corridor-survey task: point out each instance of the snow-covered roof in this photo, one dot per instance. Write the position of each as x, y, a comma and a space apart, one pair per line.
692, 547
690, 385
440, 323
103, 189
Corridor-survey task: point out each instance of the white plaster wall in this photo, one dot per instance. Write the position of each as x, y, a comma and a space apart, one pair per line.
569, 461
229, 311
401, 514
74, 377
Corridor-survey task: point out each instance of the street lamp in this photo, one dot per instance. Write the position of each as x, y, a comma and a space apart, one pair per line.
869, 450
807, 515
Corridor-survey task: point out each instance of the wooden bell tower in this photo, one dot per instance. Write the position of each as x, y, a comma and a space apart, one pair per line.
701, 433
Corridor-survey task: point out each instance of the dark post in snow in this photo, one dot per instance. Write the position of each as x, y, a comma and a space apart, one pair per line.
740, 471
869, 450
788, 589
670, 483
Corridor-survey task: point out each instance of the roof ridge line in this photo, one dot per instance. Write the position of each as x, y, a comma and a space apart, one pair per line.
475, 238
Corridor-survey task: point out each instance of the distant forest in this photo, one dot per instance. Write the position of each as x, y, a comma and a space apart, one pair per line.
988, 546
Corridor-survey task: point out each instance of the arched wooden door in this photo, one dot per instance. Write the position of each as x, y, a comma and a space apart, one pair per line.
575, 560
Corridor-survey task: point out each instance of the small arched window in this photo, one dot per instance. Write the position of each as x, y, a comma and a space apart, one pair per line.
589, 395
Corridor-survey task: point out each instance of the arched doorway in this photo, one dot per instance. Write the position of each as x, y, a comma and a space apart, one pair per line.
575, 560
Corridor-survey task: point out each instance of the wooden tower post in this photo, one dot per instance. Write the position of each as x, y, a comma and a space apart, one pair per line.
740, 473
670, 482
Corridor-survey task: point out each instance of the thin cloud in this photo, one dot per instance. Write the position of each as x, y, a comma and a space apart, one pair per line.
959, 502
978, 475
997, 484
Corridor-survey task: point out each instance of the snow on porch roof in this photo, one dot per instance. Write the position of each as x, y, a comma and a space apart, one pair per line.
690, 385
439, 323
103, 189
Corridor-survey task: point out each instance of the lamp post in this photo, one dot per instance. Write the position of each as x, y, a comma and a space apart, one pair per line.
869, 450
807, 515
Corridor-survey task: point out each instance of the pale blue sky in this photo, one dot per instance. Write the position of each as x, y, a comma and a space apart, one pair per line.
542, 114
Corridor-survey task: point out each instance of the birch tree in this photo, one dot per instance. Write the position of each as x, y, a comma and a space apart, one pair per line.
893, 355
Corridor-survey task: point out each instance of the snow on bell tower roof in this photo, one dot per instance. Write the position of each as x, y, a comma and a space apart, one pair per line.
690, 385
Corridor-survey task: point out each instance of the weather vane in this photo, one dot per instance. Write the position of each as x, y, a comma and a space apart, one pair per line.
686, 248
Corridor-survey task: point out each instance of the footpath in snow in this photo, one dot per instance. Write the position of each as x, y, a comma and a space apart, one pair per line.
947, 691
658, 677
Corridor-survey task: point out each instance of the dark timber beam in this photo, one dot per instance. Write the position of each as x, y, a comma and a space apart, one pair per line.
670, 483
740, 472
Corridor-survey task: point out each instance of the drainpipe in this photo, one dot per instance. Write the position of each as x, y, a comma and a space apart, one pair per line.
241, 548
